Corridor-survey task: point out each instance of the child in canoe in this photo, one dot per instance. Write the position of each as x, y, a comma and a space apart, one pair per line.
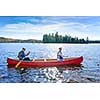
59, 55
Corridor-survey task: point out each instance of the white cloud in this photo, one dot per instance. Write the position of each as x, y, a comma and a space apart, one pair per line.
28, 30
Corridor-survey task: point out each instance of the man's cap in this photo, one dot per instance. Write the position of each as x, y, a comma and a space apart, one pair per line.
24, 48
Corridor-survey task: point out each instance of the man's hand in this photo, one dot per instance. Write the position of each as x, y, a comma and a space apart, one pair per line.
28, 53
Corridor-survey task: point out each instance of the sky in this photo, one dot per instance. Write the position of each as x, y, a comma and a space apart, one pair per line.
33, 27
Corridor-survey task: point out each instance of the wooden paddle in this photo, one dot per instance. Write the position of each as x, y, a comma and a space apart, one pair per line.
17, 65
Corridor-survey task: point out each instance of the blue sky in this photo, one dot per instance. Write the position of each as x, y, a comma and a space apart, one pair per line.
33, 27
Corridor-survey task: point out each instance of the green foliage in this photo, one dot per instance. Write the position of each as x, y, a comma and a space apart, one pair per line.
56, 38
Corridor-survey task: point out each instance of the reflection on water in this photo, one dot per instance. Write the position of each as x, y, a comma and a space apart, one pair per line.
68, 74
88, 72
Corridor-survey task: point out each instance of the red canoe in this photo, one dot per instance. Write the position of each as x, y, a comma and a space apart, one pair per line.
44, 62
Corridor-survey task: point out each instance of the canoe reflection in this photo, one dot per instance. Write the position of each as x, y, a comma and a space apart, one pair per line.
48, 74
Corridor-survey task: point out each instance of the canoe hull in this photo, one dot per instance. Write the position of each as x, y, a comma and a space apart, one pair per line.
26, 64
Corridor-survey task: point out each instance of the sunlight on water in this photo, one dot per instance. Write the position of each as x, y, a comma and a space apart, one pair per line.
87, 73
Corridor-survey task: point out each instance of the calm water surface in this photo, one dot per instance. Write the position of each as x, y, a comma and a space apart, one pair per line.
89, 72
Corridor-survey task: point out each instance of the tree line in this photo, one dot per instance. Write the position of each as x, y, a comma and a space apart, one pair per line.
56, 38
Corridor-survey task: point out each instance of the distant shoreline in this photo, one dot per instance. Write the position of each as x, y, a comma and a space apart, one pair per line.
10, 40
48, 43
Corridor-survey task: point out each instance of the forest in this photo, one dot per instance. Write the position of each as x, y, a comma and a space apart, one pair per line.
56, 38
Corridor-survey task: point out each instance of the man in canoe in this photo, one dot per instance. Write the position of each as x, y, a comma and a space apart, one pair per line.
22, 55
59, 55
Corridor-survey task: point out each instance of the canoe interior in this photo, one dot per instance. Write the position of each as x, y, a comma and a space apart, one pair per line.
44, 60
49, 60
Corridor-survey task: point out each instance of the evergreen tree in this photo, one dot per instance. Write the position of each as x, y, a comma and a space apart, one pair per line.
87, 40
55, 38
45, 38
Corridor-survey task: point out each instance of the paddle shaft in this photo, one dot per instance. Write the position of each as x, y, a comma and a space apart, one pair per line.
17, 65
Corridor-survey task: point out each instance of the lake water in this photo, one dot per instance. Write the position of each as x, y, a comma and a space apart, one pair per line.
90, 72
